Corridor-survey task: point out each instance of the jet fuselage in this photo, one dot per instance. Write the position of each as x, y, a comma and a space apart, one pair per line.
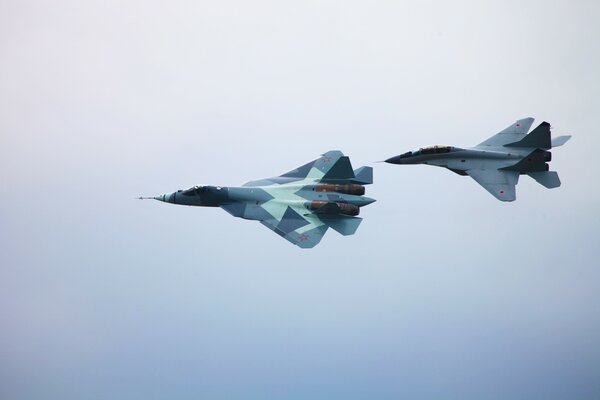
497, 162
299, 205
459, 159
305, 194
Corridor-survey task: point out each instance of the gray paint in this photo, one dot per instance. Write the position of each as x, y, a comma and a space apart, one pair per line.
497, 162
284, 203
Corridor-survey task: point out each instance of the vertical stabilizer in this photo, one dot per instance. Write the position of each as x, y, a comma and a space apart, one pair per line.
538, 138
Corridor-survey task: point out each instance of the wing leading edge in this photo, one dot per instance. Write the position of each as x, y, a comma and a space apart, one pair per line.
331, 167
317, 169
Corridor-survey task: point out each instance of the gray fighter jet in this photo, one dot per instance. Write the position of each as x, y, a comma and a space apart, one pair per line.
497, 162
299, 205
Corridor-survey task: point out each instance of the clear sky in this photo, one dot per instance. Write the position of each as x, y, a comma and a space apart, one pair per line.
444, 292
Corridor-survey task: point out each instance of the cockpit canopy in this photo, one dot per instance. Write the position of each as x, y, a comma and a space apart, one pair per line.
193, 190
197, 190
436, 149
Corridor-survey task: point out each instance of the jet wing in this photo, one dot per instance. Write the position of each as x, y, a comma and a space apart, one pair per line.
332, 166
501, 184
304, 230
511, 134
298, 225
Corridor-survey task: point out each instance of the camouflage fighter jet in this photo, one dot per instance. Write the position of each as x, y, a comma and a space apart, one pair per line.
299, 205
497, 162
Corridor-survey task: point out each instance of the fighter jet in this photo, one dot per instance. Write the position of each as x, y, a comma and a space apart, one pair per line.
299, 205
497, 162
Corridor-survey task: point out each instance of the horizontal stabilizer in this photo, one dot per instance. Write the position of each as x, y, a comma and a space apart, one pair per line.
363, 176
538, 138
559, 141
344, 225
548, 179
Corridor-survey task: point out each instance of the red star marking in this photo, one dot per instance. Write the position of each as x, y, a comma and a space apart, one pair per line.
303, 237
518, 124
325, 159
502, 192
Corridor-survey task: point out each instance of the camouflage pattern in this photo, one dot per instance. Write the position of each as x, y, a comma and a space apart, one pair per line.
497, 162
299, 205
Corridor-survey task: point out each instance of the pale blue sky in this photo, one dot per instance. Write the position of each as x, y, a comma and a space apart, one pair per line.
444, 292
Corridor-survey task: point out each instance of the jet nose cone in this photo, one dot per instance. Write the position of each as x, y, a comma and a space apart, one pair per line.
163, 197
394, 160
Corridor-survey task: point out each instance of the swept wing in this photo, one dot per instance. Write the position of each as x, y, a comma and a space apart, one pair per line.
501, 184
511, 134
331, 167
